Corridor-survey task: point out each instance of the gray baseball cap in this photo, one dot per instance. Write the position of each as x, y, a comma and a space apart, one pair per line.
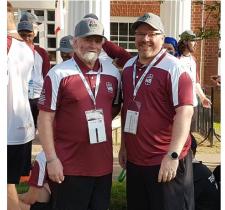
150, 19
66, 44
188, 35
89, 27
27, 16
25, 26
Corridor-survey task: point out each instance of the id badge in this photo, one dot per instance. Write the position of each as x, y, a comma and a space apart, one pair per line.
96, 126
131, 122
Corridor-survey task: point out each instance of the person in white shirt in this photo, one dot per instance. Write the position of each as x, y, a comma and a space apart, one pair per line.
27, 30
186, 48
20, 125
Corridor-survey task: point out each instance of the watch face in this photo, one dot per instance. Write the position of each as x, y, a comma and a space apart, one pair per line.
174, 155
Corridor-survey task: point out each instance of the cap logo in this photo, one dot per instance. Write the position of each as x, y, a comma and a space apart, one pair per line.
146, 16
71, 42
92, 24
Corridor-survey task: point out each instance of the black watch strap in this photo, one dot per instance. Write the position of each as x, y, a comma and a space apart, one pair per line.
173, 155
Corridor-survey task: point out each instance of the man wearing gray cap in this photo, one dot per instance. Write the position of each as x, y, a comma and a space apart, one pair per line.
78, 102
156, 116
66, 47
32, 18
41, 62
186, 46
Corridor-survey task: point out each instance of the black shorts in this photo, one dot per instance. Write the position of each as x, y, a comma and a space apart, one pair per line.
145, 193
34, 109
41, 206
18, 162
82, 193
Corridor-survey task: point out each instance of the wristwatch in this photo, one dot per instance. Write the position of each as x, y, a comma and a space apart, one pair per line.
173, 155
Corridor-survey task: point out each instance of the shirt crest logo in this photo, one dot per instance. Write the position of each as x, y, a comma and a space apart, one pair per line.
148, 79
109, 87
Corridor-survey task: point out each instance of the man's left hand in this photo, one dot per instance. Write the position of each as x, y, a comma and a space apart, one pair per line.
168, 169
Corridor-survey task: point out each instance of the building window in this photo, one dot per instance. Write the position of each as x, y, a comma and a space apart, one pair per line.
46, 37
122, 34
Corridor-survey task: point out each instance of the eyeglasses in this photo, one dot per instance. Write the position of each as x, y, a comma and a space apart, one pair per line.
150, 34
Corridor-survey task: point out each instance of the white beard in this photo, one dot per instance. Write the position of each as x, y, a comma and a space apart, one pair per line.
90, 57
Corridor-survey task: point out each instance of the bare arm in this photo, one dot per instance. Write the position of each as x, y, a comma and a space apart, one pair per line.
45, 127
204, 100
35, 194
180, 131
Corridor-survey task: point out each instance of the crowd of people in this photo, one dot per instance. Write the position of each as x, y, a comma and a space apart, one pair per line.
73, 104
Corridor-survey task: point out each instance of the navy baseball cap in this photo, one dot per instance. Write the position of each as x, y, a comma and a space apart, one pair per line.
27, 16
66, 44
25, 26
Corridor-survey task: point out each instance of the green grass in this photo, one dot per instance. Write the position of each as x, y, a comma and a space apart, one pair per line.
217, 127
118, 195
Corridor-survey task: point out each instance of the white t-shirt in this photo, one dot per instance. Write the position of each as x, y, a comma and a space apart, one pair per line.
190, 65
20, 125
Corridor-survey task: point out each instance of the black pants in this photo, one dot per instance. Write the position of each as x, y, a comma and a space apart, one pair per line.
18, 162
145, 193
82, 193
34, 109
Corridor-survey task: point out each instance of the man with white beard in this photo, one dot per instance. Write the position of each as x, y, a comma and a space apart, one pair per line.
78, 102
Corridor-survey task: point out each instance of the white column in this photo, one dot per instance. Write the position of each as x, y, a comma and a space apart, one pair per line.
176, 16
76, 10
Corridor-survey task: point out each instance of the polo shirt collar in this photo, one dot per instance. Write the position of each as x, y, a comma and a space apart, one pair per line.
140, 66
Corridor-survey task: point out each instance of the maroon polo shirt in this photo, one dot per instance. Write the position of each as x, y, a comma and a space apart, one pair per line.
165, 87
65, 94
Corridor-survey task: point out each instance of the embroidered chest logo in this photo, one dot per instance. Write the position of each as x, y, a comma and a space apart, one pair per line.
109, 87
148, 79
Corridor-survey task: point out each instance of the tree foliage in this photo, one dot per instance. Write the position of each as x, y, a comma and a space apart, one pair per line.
212, 10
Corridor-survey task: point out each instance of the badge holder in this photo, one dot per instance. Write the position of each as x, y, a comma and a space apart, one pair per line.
96, 126
132, 116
